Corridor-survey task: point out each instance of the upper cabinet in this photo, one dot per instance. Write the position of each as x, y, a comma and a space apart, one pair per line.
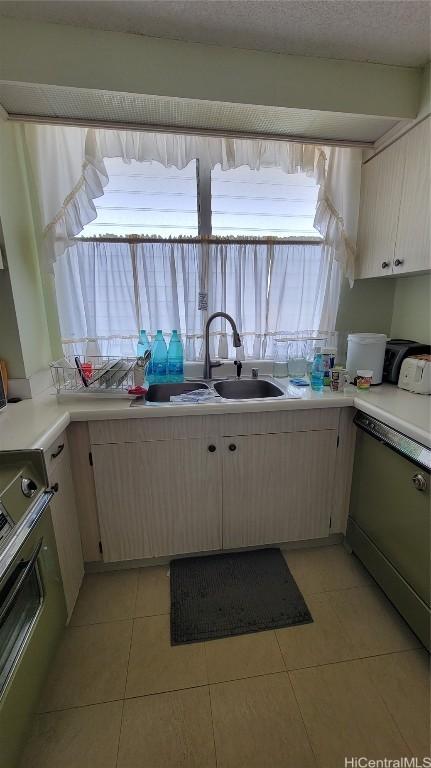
412, 247
394, 219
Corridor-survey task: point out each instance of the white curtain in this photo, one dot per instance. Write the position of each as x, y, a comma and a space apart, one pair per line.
107, 291
70, 173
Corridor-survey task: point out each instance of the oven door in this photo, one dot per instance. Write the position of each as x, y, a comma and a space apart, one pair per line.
21, 600
32, 617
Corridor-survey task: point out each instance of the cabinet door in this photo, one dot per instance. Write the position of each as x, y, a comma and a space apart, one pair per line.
278, 487
381, 184
65, 521
158, 498
412, 249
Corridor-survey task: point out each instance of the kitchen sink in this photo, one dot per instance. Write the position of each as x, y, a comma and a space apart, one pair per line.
161, 393
247, 389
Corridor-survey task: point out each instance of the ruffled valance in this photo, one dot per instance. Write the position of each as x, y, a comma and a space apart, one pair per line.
88, 176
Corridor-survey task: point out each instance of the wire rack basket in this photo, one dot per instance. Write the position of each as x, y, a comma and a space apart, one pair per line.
91, 376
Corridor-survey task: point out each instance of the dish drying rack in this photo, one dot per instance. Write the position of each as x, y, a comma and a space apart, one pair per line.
107, 376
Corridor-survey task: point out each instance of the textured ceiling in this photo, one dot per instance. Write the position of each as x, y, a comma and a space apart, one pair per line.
386, 31
80, 103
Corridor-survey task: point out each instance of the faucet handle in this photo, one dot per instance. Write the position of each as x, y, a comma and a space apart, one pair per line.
238, 365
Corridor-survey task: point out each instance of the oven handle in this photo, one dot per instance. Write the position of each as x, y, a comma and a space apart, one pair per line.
19, 582
23, 530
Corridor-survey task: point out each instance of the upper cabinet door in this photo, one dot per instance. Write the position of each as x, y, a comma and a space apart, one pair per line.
412, 251
382, 179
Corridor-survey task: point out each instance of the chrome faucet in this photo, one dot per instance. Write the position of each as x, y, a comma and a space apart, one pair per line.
208, 364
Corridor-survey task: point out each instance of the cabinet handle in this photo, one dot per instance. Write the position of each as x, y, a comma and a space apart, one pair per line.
232, 447
58, 451
419, 482
385, 264
212, 448
55, 487
398, 262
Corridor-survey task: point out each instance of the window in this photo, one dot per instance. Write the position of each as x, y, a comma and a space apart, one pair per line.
109, 285
149, 199
263, 203
146, 199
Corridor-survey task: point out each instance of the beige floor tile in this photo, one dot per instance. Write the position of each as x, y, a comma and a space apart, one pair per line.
107, 596
257, 724
403, 681
321, 642
156, 666
243, 656
320, 569
170, 730
153, 596
371, 622
344, 715
75, 738
90, 666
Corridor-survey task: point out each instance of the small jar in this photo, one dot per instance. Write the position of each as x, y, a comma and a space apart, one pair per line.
363, 380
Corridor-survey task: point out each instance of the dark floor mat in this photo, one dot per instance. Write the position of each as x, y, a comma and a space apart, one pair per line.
233, 594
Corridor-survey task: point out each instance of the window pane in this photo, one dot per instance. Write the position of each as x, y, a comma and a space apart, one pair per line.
268, 202
146, 199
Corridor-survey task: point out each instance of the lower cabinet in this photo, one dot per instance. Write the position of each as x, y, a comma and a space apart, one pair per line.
158, 498
174, 496
65, 520
277, 487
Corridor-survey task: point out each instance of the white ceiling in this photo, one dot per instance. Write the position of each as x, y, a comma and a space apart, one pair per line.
386, 31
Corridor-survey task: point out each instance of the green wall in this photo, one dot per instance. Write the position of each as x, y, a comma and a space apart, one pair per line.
87, 58
411, 317
368, 306
22, 284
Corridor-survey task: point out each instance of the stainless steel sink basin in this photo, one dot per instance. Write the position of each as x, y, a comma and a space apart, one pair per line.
247, 389
161, 393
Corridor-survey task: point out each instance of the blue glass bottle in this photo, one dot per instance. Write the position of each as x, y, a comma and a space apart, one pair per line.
175, 358
159, 360
317, 372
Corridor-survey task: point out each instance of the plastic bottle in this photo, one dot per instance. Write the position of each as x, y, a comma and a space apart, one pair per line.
317, 371
159, 360
175, 358
143, 344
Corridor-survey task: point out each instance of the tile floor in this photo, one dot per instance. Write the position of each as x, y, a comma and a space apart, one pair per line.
353, 683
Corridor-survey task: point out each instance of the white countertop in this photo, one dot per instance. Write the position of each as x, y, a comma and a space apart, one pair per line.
37, 423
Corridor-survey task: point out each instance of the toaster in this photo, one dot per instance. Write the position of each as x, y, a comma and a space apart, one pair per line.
396, 351
415, 374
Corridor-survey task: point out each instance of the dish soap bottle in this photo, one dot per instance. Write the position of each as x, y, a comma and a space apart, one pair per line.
317, 373
175, 358
159, 360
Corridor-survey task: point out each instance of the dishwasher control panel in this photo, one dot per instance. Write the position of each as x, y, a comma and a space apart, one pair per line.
400, 443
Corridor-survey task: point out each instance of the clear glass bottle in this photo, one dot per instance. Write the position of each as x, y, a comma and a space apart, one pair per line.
159, 360
175, 358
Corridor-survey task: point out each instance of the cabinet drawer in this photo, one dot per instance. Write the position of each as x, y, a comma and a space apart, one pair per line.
177, 427
148, 429
272, 422
54, 456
